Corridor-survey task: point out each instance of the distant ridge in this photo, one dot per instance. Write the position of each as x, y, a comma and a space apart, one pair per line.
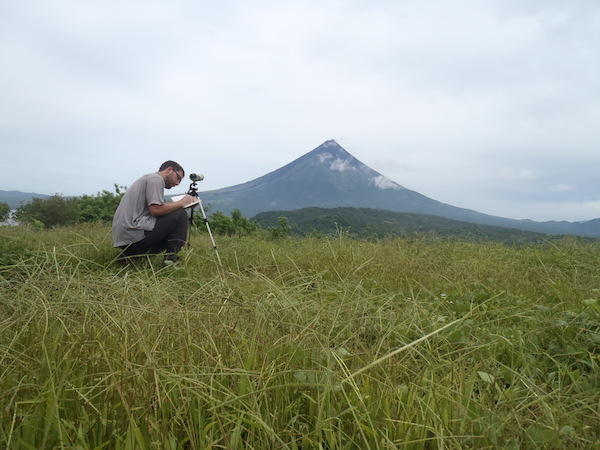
14, 199
368, 222
330, 177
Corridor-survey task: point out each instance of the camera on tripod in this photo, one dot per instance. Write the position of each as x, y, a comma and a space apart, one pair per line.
193, 191
195, 177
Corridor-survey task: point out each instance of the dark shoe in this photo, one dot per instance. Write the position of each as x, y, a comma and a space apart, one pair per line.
171, 258
126, 261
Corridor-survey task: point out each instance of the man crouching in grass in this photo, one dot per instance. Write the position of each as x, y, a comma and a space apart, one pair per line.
144, 223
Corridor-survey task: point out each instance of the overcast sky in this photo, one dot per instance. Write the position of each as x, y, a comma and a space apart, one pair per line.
492, 105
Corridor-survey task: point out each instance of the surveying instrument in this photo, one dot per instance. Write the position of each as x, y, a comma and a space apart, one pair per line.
193, 191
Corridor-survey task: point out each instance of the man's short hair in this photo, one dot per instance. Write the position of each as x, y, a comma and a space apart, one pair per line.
176, 167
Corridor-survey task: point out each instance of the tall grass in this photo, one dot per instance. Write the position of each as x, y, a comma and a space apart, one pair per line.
310, 343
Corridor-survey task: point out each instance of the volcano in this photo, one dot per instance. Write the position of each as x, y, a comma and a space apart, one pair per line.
326, 177
330, 177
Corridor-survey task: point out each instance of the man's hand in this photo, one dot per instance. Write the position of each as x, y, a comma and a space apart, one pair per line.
166, 208
188, 199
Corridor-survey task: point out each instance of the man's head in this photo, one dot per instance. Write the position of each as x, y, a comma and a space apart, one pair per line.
172, 173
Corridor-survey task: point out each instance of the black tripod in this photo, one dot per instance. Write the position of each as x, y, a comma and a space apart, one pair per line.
194, 193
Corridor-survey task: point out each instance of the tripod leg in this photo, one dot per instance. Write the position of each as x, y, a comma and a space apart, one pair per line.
191, 224
209, 233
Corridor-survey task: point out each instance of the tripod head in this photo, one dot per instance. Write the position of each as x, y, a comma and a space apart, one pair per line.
193, 191
195, 177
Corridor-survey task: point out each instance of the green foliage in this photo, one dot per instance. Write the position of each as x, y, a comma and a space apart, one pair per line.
242, 225
324, 342
221, 224
101, 207
50, 212
283, 228
4, 211
59, 211
237, 224
13, 248
376, 223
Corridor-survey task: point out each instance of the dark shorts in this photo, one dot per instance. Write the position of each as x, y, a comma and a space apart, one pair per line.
169, 234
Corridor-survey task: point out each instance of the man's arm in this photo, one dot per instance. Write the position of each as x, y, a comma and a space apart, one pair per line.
166, 208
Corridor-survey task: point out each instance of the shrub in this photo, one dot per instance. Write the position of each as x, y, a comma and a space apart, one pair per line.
52, 211
99, 208
4, 212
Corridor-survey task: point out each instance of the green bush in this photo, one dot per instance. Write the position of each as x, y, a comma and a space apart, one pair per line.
60, 211
99, 208
4, 212
51, 211
236, 225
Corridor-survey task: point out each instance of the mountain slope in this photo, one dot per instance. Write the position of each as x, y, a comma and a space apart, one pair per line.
330, 177
14, 199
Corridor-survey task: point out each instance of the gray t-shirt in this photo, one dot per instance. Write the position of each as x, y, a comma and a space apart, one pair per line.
133, 216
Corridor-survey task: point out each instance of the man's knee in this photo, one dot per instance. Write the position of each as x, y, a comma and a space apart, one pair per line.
181, 220
174, 219
181, 215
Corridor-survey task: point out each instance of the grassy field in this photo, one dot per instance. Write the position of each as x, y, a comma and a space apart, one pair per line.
298, 343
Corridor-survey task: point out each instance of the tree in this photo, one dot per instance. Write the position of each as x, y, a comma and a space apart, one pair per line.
242, 225
51, 211
283, 228
237, 224
4, 212
99, 208
221, 224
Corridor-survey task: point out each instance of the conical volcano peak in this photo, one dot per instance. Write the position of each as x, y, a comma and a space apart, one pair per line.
327, 176
332, 154
332, 147
331, 144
